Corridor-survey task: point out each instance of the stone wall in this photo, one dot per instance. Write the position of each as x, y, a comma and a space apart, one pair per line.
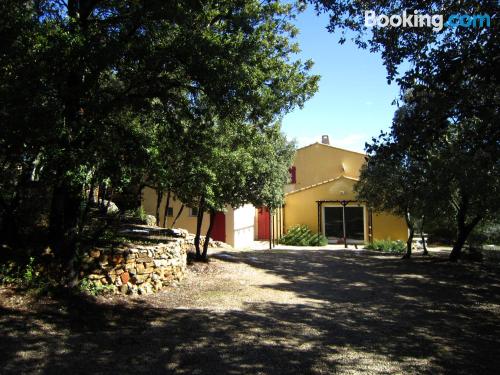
136, 269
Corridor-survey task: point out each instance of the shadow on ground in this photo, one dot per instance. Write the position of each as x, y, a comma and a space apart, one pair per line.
368, 314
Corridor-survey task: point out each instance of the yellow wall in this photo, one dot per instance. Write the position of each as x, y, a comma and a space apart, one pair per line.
301, 208
387, 226
318, 162
185, 221
314, 164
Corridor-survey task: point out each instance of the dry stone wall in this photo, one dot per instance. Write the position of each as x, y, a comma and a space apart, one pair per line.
136, 269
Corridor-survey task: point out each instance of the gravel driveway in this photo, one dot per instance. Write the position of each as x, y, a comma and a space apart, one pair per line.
271, 312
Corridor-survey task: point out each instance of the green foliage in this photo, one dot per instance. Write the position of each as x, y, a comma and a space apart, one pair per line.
140, 214
444, 138
488, 233
29, 272
25, 276
95, 288
137, 215
127, 93
387, 246
9, 274
301, 235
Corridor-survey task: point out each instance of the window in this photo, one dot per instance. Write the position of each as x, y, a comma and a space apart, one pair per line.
193, 211
354, 222
293, 175
170, 211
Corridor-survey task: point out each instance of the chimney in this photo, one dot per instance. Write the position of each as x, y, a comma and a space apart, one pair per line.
325, 140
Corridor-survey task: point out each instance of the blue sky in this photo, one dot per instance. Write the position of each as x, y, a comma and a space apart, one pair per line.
354, 100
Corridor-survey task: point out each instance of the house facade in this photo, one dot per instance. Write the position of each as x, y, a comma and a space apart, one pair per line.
233, 226
321, 195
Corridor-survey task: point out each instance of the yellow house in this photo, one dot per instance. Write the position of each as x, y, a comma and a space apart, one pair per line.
321, 196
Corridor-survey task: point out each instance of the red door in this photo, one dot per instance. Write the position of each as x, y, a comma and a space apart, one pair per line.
219, 228
263, 223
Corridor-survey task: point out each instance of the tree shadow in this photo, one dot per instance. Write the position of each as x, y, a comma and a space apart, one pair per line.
445, 313
368, 314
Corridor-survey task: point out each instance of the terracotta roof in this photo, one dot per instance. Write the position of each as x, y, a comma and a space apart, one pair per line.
322, 183
338, 148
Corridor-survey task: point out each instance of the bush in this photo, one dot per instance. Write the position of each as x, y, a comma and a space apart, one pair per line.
140, 214
387, 246
300, 235
25, 276
94, 288
137, 216
13, 274
9, 274
487, 233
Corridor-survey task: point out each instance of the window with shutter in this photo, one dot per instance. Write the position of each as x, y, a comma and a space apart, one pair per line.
293, 175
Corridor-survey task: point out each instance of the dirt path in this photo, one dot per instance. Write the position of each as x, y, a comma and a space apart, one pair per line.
309, 311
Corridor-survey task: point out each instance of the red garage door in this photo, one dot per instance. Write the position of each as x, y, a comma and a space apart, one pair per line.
219, 228
263, 223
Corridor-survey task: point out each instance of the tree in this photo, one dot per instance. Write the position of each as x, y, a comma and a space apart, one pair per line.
231, 164
94, 72
463, 155
392, 180
453, 77
249, 166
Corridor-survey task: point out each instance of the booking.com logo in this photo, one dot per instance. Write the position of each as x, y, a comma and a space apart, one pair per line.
436, 21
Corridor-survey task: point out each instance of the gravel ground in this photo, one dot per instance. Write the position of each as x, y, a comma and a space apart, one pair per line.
271, 312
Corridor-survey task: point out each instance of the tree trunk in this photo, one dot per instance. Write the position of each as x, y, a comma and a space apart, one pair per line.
207, 237
159, 197
410, 236
67, 196
9, 231
178, 215
424, 245
63, 226
86, 210
110, 197
91, 196
199, 222
463, 231
165, 212
426, 252
99, 195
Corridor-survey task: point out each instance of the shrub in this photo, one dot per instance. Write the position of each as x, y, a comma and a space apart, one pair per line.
138, 215
9, 274
300, 235
13, 274
25, 276
387, 246
487, 233
94, 288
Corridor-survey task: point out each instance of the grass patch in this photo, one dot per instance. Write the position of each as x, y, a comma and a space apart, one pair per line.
387, 246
